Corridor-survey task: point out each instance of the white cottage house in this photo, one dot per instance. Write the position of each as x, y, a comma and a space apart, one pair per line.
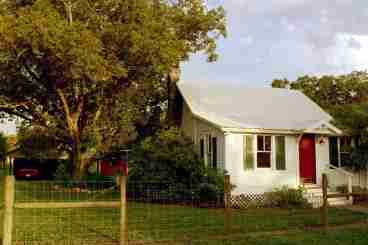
263, 137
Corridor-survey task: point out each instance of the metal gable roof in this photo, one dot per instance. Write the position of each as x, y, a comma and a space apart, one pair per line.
237, 106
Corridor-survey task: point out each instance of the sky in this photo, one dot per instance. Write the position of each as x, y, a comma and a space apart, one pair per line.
274, 39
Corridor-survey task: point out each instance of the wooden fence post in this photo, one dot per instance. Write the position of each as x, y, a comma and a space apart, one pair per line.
8, 209
123, 211
227, 201
324, 207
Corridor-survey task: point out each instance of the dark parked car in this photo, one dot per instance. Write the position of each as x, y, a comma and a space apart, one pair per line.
27, 173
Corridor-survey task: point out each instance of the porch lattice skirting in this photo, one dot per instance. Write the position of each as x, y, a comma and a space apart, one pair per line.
248, 200
251, 200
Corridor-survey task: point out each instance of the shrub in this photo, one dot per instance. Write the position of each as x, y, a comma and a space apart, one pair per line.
62, 172
99, 178
286, 197
169, 157
207, 193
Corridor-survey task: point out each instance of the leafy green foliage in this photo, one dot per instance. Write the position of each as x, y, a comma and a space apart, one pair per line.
38, 143
330, 91
91, 72
169, 157
62, 172
286, 197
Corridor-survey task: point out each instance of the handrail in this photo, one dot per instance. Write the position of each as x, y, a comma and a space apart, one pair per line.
350, 177
339, 170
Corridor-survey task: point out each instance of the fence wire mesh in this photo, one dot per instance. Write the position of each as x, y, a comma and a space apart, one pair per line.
158, 213
66, 225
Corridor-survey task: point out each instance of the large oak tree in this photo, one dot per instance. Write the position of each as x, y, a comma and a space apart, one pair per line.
87, 71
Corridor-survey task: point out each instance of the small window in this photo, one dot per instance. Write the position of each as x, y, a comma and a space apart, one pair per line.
340, 149
202, 148
209, 149
264, 151
214, 152
345, 149
334, 151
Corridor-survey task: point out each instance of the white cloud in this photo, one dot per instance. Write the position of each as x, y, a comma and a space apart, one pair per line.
246, 41
289, 38
291, 27
324, 19
356, 58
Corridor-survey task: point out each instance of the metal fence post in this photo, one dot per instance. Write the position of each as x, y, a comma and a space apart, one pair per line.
227, 201
8, 209
123, 211
324, 221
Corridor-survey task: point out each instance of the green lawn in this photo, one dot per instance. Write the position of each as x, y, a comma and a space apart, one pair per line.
148, 222
350, 236
154, 222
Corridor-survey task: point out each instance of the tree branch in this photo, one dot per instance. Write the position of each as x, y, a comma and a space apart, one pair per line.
69, 119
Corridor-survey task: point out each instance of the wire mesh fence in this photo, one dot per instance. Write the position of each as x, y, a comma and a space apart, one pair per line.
52, 225
157, 213
66, 191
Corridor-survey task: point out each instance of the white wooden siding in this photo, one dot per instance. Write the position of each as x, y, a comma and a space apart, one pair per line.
259, 180
322, 157
196, 128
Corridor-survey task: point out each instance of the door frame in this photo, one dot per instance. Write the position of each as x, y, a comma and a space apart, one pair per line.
314, 180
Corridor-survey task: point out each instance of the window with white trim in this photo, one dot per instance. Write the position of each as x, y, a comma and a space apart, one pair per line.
264, 151
340, 149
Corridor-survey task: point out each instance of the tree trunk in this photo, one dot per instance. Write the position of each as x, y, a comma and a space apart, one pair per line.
77, 159
172, 78
75, 133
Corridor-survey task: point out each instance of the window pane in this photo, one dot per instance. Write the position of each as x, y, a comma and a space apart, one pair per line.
260, 143
202, 148
345, 144
214, 152
268, 143
209, 144
263, 159
345, 158
348, 141
334, 159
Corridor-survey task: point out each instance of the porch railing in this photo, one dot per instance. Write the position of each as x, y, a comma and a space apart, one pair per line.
339, 178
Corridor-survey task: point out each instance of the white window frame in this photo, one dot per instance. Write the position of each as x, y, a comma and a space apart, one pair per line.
272, 151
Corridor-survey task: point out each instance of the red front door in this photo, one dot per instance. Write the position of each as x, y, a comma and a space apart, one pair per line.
307, 158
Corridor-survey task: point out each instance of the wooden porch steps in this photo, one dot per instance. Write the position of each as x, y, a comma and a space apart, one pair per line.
314, 195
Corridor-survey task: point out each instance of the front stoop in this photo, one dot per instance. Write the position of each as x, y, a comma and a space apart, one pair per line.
314, 195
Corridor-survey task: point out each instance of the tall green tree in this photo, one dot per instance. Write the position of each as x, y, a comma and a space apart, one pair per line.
89, 71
